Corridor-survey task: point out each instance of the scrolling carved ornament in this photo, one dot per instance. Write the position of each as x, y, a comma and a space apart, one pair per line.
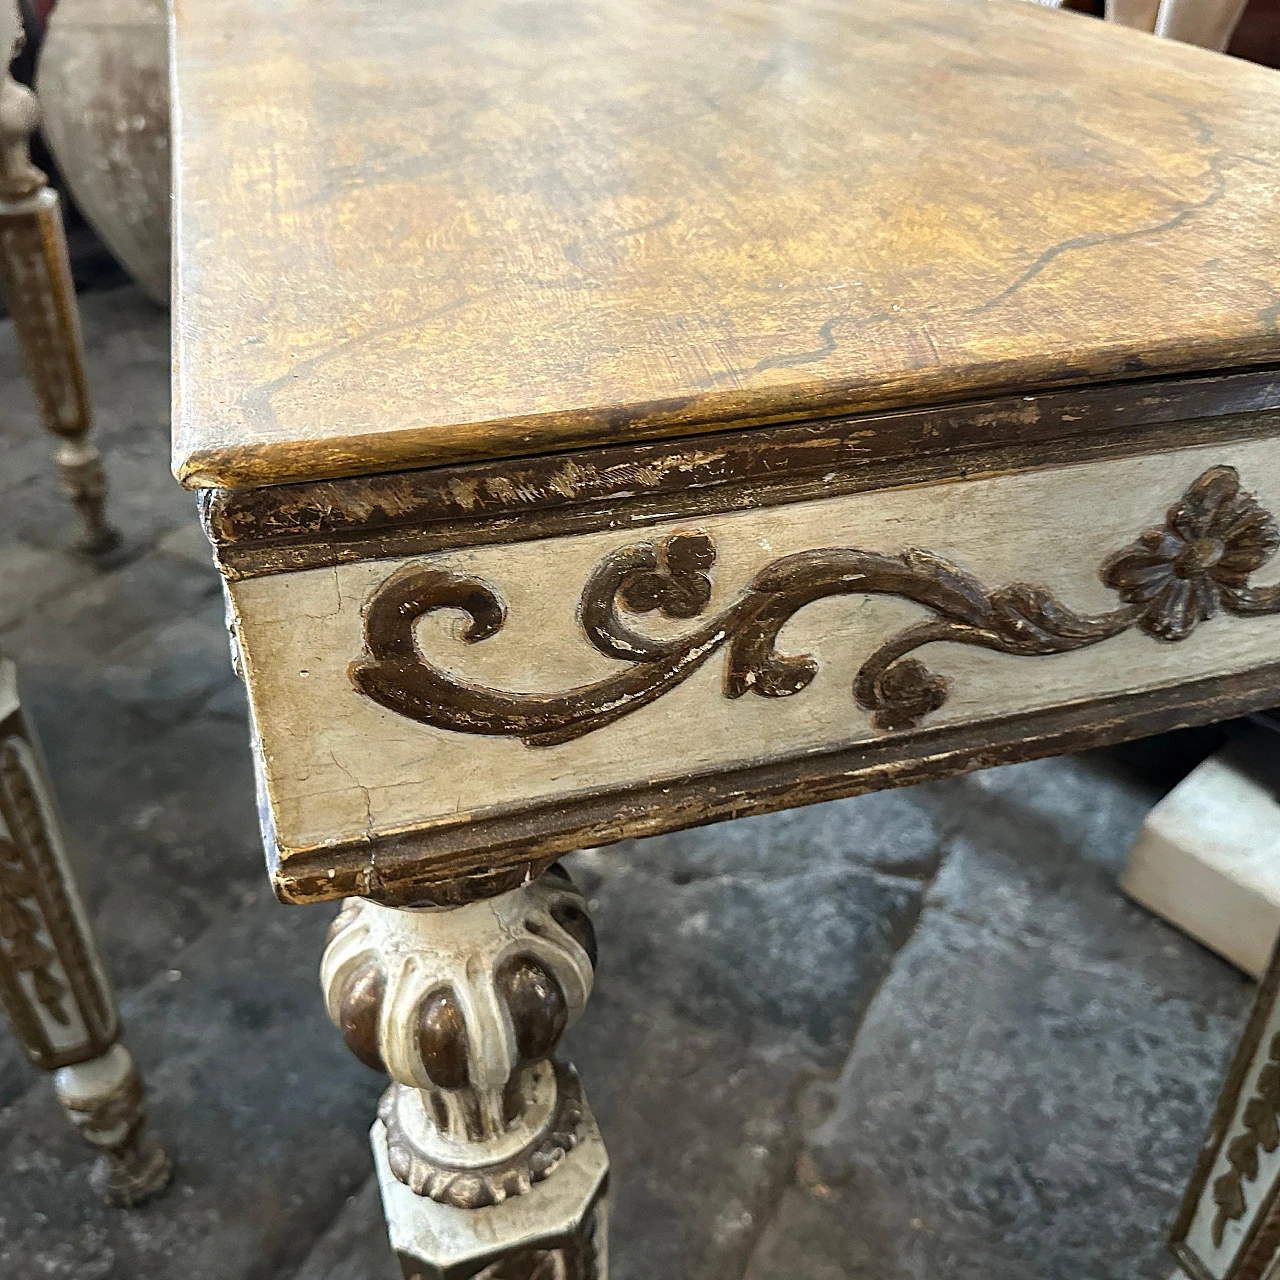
1169, 580
49, 985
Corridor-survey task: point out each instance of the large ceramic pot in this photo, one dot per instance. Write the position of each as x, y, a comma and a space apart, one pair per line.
103, 87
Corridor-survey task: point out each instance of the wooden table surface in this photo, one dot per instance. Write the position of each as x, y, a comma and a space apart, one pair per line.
410, 234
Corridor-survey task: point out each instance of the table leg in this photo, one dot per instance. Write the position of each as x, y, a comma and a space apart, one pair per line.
37, 280
1229, 1224
489, 1160
52, 984
1134, 13
1204, 22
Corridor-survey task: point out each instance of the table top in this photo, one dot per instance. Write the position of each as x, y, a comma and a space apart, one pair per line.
411, 234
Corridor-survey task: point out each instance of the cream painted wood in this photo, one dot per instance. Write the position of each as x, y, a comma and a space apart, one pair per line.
66, 1025
486, 1149
335, 766
1208, 23
1141, 14
417, 1235
35, 272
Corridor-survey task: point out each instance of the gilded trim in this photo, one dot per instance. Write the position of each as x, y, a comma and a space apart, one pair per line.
284, 528
41, 931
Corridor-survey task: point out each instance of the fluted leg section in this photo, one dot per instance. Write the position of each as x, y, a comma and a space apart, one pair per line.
489, 1160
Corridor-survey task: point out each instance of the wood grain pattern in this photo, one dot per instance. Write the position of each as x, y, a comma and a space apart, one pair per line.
410, 235
337, 768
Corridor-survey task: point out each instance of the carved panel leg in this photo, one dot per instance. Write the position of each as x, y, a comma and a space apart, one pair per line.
488, 1158
1229, 1224
52, 984
37, 281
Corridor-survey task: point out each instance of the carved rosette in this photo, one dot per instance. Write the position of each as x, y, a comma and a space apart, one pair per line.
1170, 580
463, 1007
1180, 574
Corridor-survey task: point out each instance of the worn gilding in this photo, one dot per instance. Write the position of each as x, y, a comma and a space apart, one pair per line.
414, 234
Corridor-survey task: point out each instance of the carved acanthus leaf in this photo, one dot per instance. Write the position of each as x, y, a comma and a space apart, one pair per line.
1168, 580
38, 933
20, 933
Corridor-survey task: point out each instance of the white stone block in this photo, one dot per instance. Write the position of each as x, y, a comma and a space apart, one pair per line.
1208, 856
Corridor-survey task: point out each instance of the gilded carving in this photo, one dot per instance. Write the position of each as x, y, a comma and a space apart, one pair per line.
37, 280
52, 985
466, 1027
24, 949
40, 936
1261, 1132
1169, 580
28, 252
489, 1160
516, 1174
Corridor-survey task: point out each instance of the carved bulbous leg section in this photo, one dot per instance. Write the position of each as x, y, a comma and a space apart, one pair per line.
52, 984
489, 1159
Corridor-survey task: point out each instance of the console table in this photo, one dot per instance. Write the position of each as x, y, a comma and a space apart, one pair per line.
610, 418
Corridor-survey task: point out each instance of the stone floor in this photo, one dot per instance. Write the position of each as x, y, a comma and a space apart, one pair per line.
914, 1035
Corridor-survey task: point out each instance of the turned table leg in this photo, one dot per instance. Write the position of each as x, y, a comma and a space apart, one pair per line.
1134, 13
489, 1161
1208, 23
52, 984
37, 282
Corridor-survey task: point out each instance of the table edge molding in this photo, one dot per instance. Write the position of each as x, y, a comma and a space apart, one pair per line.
288, 528
485, 852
